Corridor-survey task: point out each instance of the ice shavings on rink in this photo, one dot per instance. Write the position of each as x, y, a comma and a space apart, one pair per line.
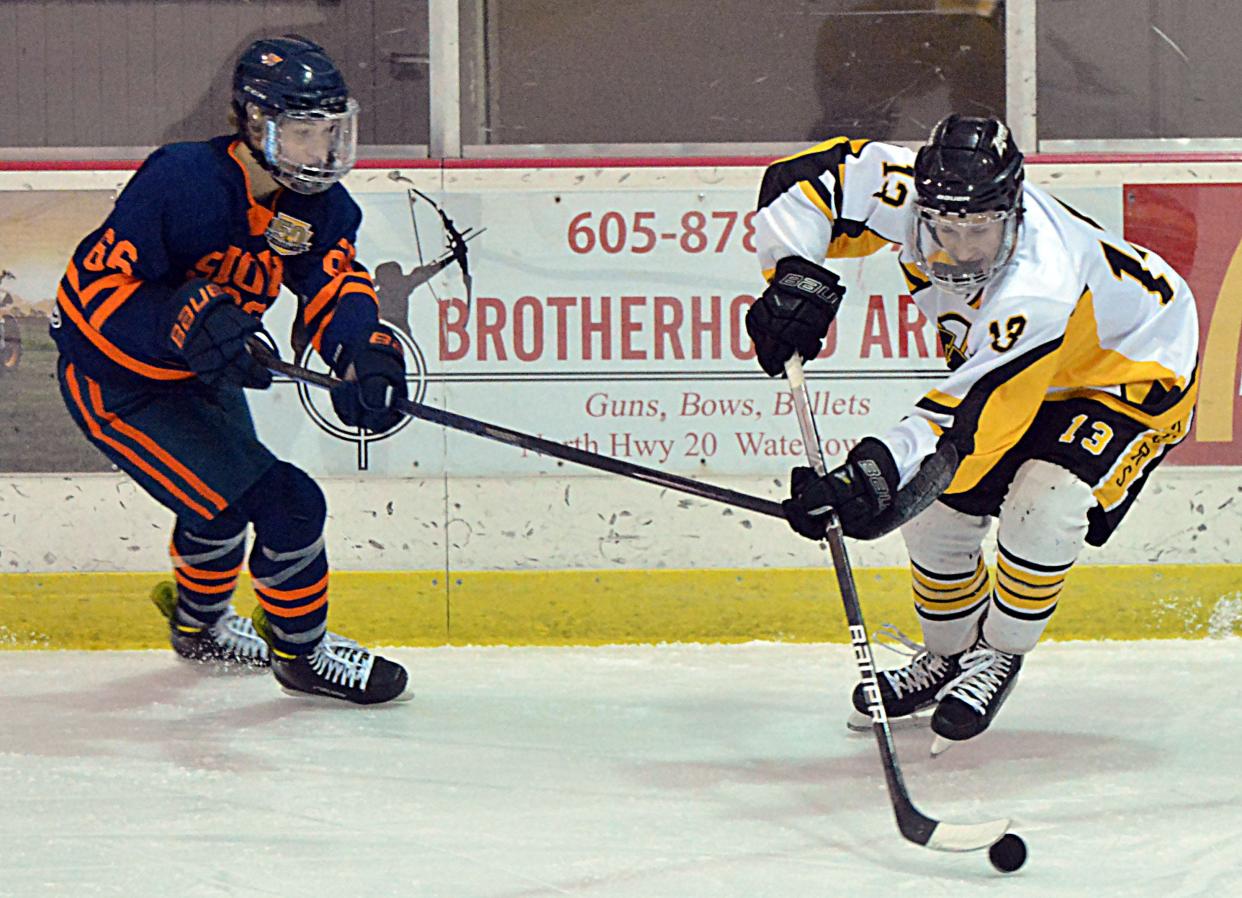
629, 771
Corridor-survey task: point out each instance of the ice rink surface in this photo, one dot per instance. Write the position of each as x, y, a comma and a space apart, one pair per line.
627, 772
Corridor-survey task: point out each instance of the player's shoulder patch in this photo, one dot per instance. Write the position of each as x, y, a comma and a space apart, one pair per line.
289, 235
317, 220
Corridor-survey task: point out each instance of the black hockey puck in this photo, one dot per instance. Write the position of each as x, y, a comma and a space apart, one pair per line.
1007, 853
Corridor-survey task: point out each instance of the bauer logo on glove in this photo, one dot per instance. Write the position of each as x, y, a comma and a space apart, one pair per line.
794, 313
197, 300
372, 369
209, 331
858, 491
810, 286
386, 339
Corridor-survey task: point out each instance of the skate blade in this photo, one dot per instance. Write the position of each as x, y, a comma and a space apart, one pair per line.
940, 744
213, 668
858, 722
336, 702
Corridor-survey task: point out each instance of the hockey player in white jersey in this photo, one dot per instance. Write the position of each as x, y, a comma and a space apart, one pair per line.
1072, 357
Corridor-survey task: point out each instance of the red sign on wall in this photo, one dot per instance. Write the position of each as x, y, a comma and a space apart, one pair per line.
1197, 228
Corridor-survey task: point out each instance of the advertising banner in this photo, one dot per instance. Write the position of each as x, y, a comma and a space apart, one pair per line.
606, 316
1198, 229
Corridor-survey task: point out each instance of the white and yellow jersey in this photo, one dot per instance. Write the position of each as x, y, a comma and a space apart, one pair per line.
1077, 312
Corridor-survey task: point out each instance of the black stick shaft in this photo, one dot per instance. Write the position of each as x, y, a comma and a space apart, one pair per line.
533, 443
912, 823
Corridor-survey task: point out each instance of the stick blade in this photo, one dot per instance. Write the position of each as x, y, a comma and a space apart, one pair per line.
862, 723
967, 836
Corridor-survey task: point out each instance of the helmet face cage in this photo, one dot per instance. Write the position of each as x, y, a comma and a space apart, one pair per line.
968, 182
962, 253
296, 113
310, 150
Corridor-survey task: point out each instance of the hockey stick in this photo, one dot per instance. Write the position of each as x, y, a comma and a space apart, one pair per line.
533, 443
913, 823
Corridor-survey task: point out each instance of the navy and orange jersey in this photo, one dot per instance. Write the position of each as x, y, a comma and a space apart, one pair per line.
188, 212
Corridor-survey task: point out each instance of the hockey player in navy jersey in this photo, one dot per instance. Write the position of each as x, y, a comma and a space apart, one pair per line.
1072, 357
152, 321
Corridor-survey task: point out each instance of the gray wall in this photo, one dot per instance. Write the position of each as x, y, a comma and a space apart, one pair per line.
1138, 69
135, 73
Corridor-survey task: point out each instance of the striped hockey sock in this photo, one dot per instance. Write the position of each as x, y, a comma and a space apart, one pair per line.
206, 569
292, 588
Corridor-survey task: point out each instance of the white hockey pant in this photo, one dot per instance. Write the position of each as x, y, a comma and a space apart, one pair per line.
1043, 522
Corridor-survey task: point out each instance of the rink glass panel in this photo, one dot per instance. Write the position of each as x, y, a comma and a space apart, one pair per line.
137, 73
598, 72
538, 77
1119, 70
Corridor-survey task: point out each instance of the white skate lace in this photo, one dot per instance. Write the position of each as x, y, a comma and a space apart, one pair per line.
338, 639
921, 671
342, 661
984, 671
238, 635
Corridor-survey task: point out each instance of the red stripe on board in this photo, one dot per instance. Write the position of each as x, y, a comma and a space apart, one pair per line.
635, 162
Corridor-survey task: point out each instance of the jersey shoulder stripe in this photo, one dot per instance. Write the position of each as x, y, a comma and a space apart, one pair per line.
808, 166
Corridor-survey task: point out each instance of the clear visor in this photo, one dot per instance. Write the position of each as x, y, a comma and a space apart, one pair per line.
309, 151
962, 253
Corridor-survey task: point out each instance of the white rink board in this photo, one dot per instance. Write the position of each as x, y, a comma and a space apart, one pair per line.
677, 390
1186, 515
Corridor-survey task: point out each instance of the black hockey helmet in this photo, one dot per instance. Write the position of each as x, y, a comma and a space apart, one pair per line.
294, 110
969, 165
968, 202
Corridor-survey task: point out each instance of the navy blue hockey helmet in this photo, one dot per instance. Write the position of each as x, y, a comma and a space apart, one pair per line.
295, 112
968, 205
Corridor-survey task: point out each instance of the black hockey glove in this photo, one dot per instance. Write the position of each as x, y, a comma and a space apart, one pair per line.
794, 313
859, 490
372, 369
209, 331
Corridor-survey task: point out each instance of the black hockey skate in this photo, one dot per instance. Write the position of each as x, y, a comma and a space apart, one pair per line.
905, 690
970, 702
230, 642
337, 668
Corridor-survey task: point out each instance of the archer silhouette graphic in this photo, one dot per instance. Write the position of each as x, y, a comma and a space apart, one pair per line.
395, 286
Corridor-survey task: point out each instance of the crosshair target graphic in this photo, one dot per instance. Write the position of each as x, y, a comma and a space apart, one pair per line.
318, 403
